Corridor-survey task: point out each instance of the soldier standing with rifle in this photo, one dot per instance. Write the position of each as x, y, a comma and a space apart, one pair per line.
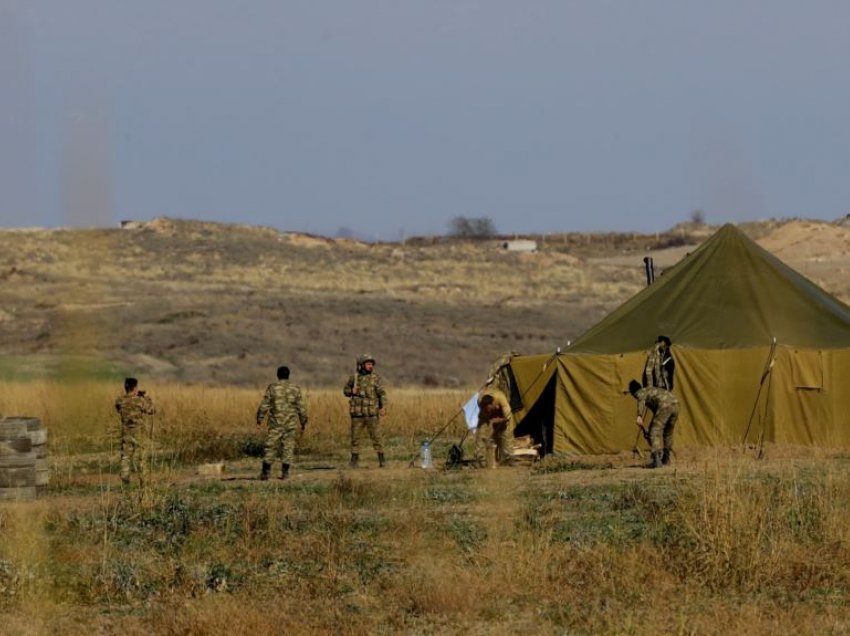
367, 403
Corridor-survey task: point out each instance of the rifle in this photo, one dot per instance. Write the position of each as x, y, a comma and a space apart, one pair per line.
645, 433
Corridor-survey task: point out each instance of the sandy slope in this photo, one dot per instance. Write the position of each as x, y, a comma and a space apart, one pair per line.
206, 302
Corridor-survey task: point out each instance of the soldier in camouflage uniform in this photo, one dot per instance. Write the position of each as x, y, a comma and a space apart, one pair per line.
665, 408
660, 366
286, 411
133, 408
495, 425
367, 403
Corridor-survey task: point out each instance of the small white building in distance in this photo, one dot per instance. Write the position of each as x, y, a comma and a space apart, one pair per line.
519, 245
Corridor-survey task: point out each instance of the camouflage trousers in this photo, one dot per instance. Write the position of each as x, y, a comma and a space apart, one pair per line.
497, 435
373, 426
133, 454
661, 428
280, 445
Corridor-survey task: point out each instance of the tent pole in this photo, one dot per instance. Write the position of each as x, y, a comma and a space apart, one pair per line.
760, 454
767, 369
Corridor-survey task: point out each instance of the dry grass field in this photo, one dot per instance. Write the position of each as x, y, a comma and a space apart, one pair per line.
719, 543
216, 304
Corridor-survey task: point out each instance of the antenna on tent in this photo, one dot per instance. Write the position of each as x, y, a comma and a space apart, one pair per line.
650, 270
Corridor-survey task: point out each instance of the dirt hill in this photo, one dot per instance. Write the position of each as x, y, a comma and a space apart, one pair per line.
206, 302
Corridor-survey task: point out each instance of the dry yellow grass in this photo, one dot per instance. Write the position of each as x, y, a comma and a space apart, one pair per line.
74, 410
723, 543
194, 424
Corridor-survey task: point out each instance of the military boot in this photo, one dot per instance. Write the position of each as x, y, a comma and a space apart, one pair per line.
656, 460
665, 457
267, 467
381, 460
354, 459
284, 471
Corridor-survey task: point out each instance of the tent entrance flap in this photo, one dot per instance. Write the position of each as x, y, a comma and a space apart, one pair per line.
515, 398
539, 422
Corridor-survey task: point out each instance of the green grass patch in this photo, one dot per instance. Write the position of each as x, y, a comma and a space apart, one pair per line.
556, 464
61, 368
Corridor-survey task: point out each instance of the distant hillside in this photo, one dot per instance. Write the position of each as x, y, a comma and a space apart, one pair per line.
207, 302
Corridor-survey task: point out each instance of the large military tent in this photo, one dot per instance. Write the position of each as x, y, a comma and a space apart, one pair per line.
723, 305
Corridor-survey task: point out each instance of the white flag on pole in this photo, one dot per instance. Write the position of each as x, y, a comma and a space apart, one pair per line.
470, 410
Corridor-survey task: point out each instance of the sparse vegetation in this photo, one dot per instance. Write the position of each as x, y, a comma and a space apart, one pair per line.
722, 543
226, 304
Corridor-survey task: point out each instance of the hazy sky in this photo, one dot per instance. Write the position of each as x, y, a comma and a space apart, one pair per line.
394, 116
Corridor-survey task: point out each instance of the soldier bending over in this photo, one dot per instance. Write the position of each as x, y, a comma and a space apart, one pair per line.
665, 408
495, 425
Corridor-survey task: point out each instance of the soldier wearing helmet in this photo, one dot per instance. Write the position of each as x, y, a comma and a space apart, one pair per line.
367, 403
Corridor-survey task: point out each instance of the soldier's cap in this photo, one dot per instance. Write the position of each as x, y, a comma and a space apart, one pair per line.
366, 357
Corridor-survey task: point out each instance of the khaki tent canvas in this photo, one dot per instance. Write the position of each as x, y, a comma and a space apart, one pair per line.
722, 305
